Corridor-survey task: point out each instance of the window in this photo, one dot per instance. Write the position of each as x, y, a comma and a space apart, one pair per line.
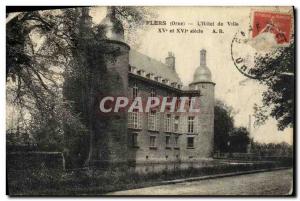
152, 141
168, 141
174, 84
134, 120
176, 124
169, 100
150, 76
190, 142
134, 140
176, 141
135, 90
132, 69
152, 121
191, 124
189, 101
177, 104
158, 78
152, 94
168, 123
166, 81
141, 73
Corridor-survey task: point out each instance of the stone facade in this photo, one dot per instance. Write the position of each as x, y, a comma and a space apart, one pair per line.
176, 147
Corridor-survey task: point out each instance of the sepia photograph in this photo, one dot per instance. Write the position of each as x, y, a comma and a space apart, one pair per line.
150, 101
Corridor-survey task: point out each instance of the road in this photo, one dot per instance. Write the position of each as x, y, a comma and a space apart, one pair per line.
265, 183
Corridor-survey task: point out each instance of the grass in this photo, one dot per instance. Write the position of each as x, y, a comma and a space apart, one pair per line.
96, 182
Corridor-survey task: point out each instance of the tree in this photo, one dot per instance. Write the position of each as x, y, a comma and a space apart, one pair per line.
34, 72
223, 125
38, 72
276, 71
239, 140
279, 150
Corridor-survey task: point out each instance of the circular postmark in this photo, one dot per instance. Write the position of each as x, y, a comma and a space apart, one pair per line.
243, 55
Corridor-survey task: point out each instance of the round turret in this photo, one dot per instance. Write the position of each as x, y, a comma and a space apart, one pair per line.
202, 73
203, 83
113, 28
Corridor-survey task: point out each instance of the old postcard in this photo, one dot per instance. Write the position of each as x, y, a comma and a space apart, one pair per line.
120, 100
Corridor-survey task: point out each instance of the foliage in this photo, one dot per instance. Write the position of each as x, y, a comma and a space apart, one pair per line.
38, 51
239, 140
272, 149
51, 58
223, 125
133, 19
277, 72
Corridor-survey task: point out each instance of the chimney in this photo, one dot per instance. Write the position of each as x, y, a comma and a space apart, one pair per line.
203, 57
170, 60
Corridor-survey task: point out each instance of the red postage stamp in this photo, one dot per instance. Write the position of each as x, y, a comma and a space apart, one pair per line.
278, 24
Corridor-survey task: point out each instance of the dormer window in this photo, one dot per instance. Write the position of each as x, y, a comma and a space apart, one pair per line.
141, 73
150, 76
132, 69
179, 86
157, 78
166, 81
174, 84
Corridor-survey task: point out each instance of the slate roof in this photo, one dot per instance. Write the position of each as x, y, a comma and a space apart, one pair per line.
150, 65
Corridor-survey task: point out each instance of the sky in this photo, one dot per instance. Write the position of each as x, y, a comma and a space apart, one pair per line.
232, 87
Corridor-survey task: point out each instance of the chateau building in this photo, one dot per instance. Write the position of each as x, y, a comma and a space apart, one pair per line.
165, 136
156, 136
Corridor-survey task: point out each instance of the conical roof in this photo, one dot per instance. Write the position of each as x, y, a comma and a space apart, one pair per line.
202, 73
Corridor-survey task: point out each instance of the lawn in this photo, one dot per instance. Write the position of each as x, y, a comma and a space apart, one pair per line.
97, 182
